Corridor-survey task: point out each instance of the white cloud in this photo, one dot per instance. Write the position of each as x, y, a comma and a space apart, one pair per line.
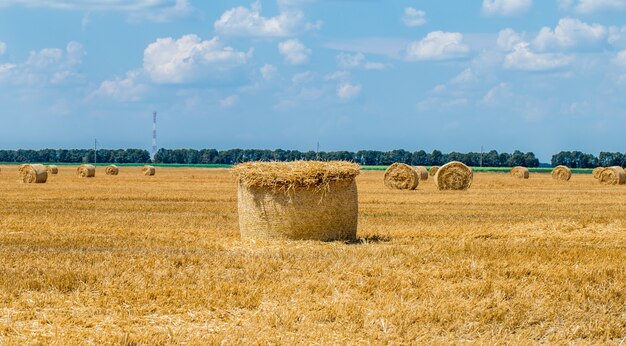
3, 47
189, 58
508, 39
617, 36
413, 17
522, 58
268, 71
229, 101
506, 7
6, 68
438, 45
464, 77
180, 10
128, 88
294, 52
348, 61
593, 6
570, 34
620, 58
347, 91
498, 94
338, 75
243, 21
301, 77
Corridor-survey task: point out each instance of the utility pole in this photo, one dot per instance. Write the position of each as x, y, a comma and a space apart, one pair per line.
317, 152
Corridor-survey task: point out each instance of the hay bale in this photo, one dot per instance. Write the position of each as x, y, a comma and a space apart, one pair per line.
433, 170
562, 173
597, 172
401, 176
454, 176
520, 172
613, 176
111, 170
86, 171
34, 174
22, 167
297, 200
52, 169
149, 170
422, 172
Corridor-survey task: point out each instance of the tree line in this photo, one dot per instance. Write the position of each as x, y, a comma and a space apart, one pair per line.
577, 159
75, 155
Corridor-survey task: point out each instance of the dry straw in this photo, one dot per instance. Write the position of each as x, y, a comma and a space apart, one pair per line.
33, 174
111, 170
597, 172
562, 173
52, 169
22, 167
149, 170
520, 172
454, 176
613, 176
86, 171
422, 172
433, 170
401, 176
297, 200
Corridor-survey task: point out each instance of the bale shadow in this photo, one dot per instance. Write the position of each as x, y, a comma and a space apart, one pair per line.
371, 239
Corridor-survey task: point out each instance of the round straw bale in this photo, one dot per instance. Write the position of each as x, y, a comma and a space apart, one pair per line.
297, 200
422, 172
401, 176
597, 171
148, 170
52, 169
111, 170
22, 167
86, 171
454, 175
433, 170
562, 173
34, 174
613, 176
520, 172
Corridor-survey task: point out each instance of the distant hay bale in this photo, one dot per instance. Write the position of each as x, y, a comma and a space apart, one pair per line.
22, 167
86, 171
613, 176
454, 176
401, 176
297, 200
111, 170
52, 169
562, 173
34, 174
422, 172
520, 172
149, 170
597, 172
433, 170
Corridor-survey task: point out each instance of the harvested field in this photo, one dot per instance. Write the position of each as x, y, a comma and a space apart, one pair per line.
129, 260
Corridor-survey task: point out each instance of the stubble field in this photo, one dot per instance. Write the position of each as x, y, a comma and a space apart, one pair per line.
138, 260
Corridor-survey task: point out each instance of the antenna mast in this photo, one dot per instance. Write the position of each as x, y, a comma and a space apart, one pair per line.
154, 137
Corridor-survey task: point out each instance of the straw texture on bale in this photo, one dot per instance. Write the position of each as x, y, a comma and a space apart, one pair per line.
433, 170
597, 172
22, 167
613, 176
52, 169
149, 170
562, 173
86, 171
297, 200
401, 176
111, 170
454, 176
520, 172
34, 174
422, 172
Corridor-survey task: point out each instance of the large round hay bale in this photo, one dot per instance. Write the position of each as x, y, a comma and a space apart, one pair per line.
52, 169
454, 175
422, 172
520, 172
401, 176
562, 173
34, 174
613, 176
297, 200
86, 171
597, 171
149, 170
22, 167
111, 170
433, 170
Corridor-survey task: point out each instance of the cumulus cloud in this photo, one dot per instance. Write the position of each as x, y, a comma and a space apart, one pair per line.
593, 6
244, 21
523, 58
268, 71
413, 17
3, 47
349, 61
617, 36
127, 88
506, 7
620, 58
229, 102
294, 52
571, 34
171, 61
438, 45
347, 91
508, 39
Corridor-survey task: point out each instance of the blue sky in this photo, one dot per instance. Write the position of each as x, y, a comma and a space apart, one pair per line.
541, 76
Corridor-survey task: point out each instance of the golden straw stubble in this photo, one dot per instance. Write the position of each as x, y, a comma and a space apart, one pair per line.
520, 172
401, 176
34, 174
454, 175
613, 176
561, 173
